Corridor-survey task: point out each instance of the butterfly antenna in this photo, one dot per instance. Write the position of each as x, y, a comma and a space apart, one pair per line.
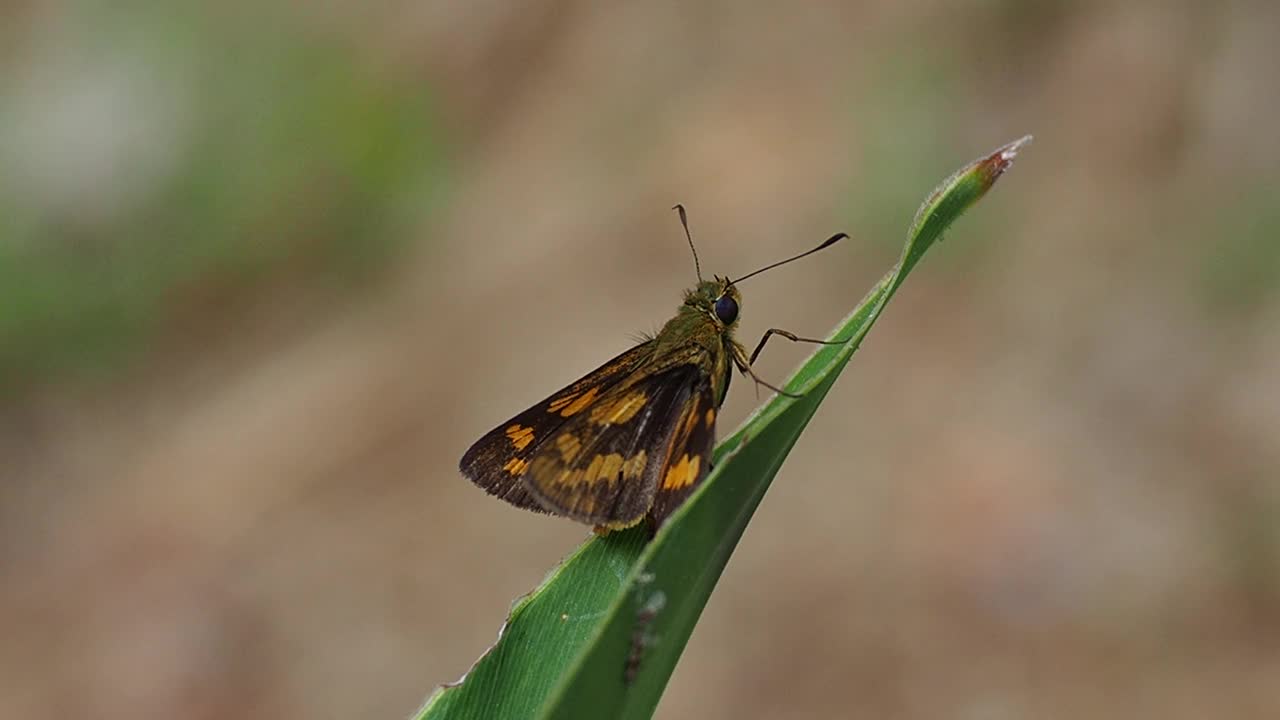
826, 244
684, 223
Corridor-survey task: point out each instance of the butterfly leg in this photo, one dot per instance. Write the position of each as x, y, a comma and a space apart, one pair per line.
744, 367
790, 336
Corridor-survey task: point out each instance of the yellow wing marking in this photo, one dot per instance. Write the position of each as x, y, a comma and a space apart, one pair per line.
602, 468
634, 468
520, 436
621, 410
558, 404
690, 420
683, 473
569, 446
710, 419
573, 403
516, 466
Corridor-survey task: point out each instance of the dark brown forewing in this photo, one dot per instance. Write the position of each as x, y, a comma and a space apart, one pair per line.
497, 461
602, 467
687, 457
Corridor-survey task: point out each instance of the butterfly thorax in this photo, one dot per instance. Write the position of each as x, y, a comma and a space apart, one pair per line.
701, 332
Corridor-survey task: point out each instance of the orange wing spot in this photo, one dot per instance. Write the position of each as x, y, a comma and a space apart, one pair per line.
544, 468
516, 466
710, 419
579, 403
682, 474
621, 411
603, 468
690, 420
569, 446
634, 468
520, 436
558, 404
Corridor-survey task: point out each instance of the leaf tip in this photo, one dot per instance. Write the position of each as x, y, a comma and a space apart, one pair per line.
967, 185
995, 164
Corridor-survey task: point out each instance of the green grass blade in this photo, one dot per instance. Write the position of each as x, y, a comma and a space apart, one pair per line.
619, 607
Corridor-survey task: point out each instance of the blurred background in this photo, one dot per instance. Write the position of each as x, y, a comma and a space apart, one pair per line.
267, 269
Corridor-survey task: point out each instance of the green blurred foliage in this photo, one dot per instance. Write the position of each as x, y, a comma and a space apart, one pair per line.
903, 115
1240, 256
270, 151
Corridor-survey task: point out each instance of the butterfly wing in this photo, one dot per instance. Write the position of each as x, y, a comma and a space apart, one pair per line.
498, 461
603, 466
687, 456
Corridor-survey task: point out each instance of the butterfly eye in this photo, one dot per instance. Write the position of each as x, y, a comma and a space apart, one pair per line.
726, 309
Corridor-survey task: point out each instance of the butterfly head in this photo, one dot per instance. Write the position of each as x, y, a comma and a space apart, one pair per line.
718, 299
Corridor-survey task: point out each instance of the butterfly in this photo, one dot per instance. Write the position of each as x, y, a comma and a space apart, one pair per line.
632, 439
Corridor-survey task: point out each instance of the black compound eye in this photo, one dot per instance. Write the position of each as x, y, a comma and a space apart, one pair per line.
726, 309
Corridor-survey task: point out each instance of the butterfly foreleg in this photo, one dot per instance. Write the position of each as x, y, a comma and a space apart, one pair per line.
744, 366
788, 335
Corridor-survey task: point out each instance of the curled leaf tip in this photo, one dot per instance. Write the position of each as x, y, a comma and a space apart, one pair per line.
999, 161
968, 184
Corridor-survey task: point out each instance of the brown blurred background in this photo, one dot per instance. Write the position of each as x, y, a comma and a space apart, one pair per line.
266, 270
